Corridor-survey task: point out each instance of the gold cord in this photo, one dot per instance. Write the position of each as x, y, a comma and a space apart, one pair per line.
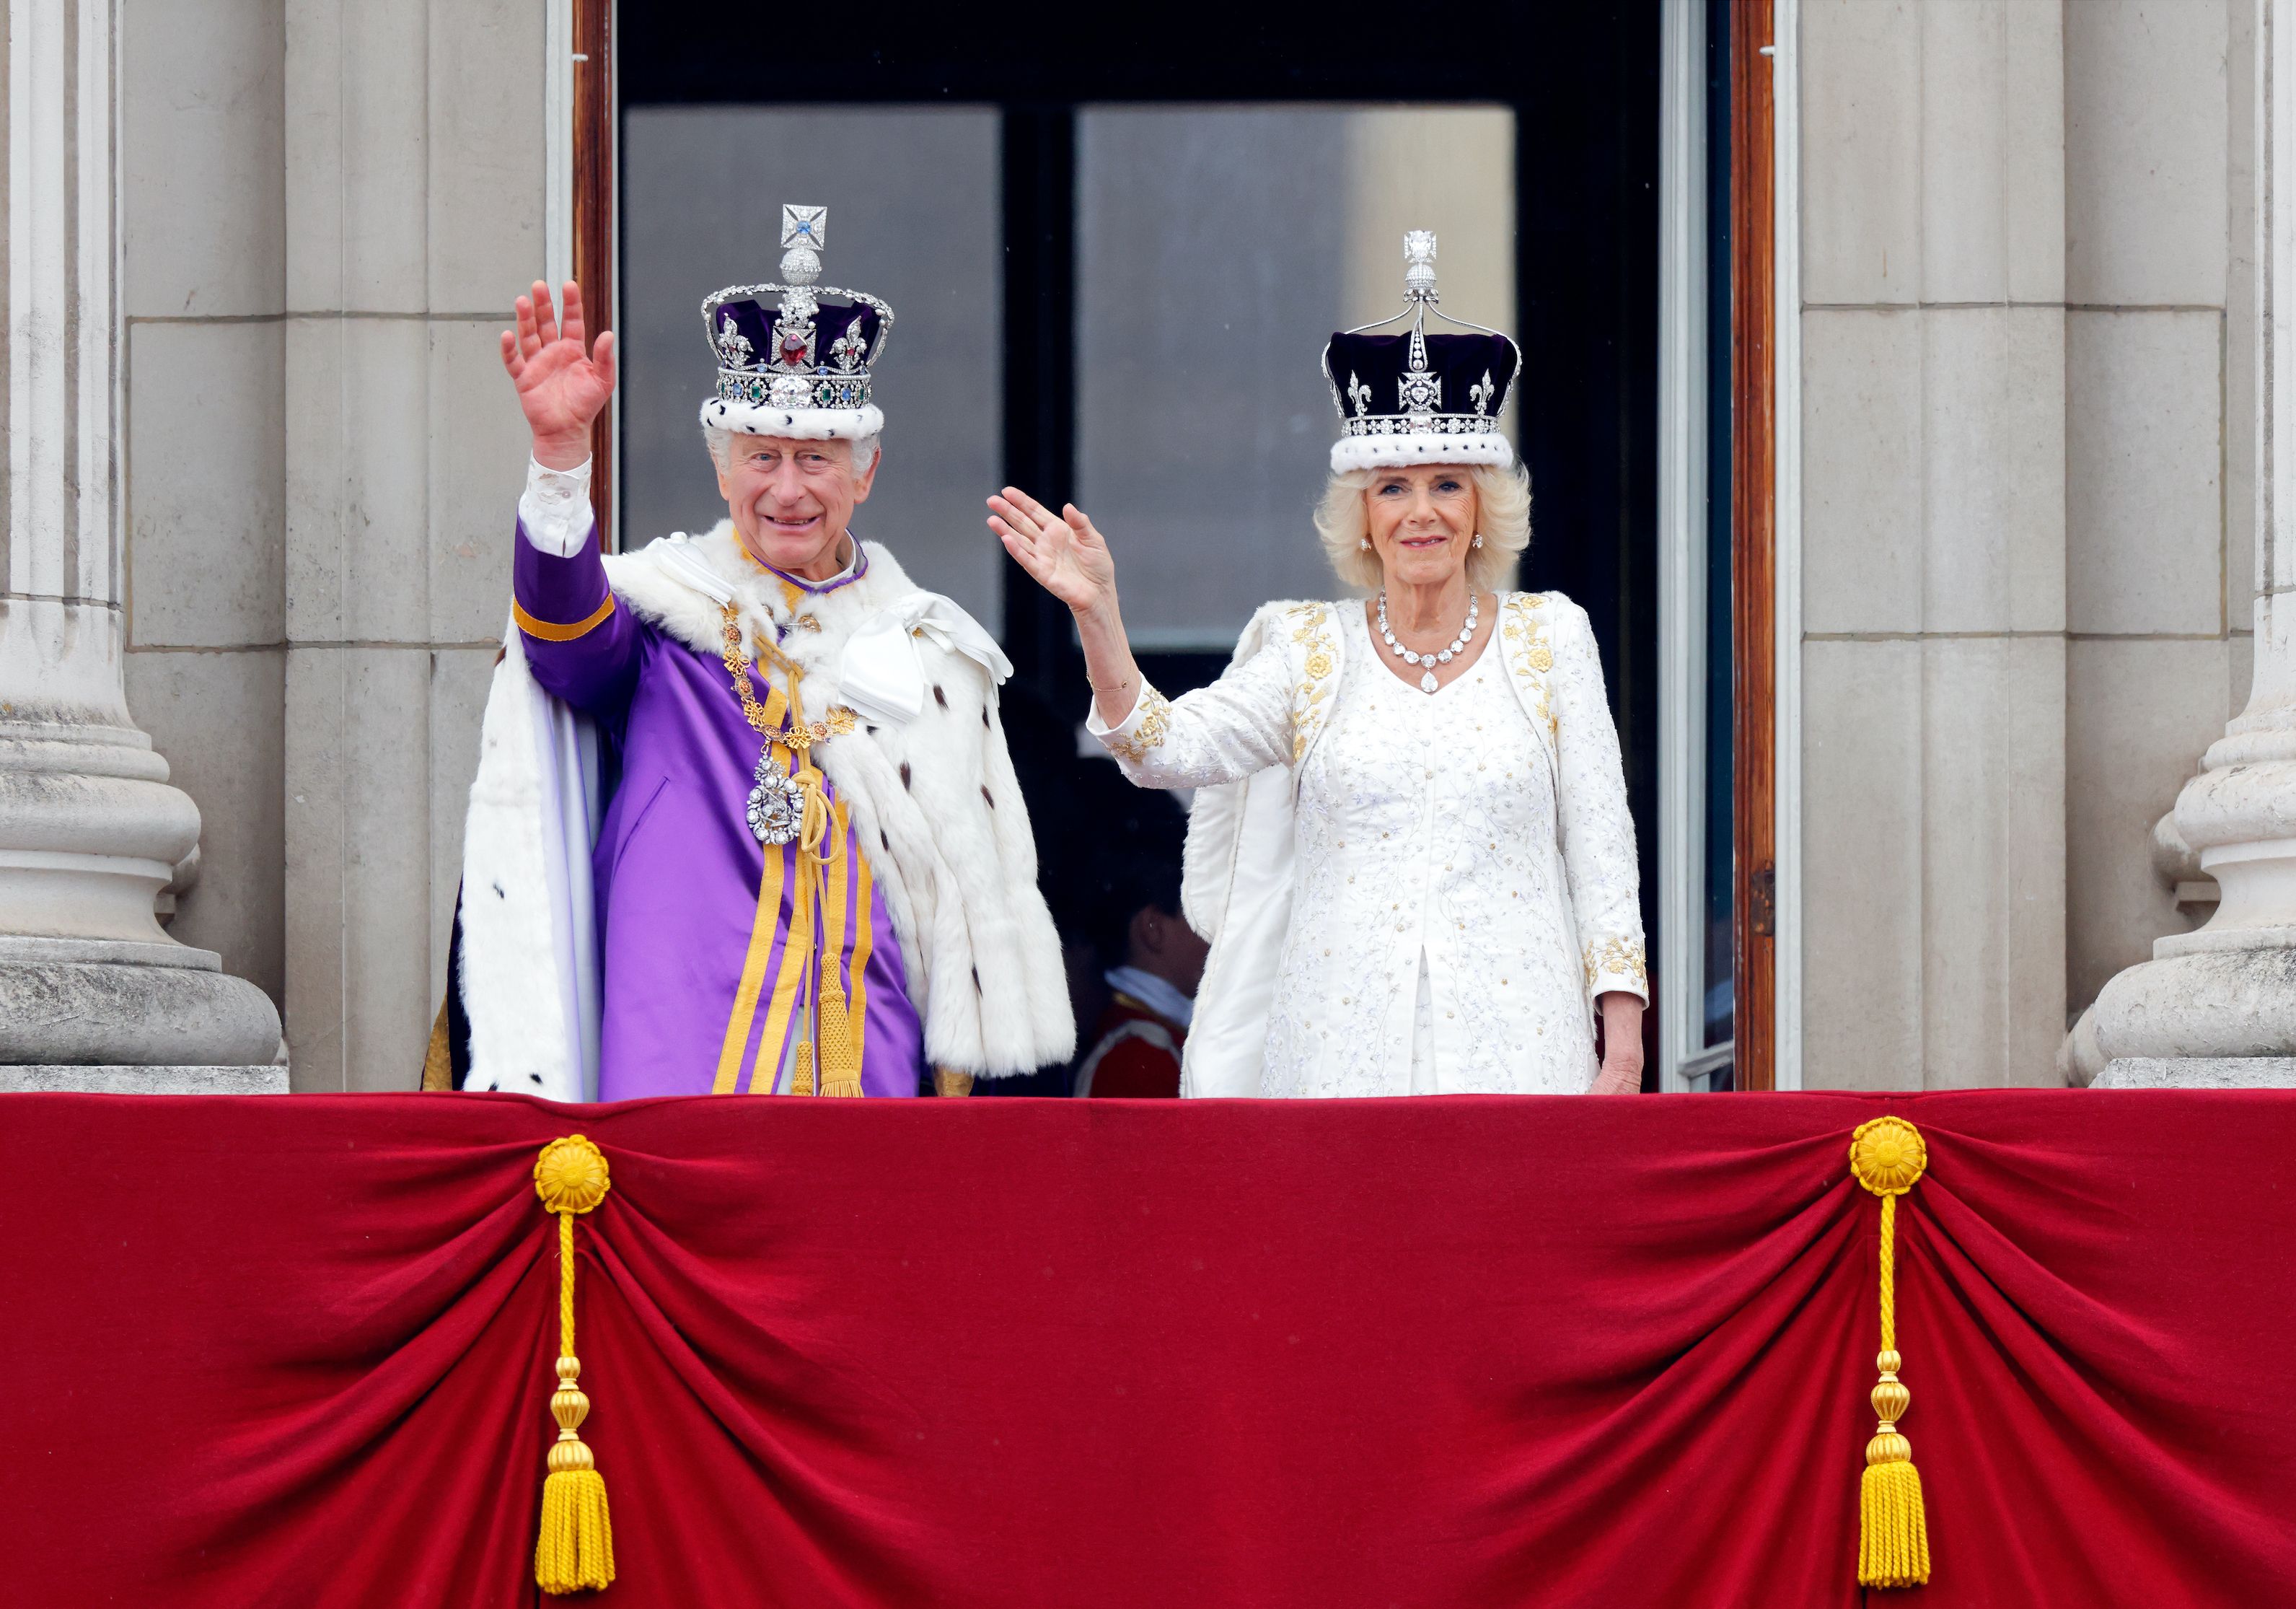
1889, 1156
574, 1550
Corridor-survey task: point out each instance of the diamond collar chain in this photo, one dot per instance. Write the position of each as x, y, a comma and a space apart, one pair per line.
779, 804
800, 734
1443, 656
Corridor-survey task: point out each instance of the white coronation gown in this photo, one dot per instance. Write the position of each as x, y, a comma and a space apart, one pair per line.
1454, 906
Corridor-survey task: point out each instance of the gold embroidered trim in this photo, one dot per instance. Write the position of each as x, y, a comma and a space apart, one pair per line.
1525, 634
551, 631
1615, 955
1306, 699
1155, 726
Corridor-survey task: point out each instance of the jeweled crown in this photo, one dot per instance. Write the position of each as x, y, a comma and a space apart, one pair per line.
1416, 398
801, 363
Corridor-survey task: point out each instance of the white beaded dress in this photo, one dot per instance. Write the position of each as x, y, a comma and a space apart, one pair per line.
1462, 884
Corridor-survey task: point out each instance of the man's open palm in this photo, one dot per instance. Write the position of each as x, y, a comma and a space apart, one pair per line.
561, 386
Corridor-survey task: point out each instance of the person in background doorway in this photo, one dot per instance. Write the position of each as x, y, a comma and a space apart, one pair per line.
1137, 1045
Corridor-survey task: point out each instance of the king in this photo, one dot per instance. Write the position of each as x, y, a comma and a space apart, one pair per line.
745, 819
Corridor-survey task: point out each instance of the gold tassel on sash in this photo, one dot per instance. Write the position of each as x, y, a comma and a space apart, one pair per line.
574, 1549
1887, 1157
841, 1046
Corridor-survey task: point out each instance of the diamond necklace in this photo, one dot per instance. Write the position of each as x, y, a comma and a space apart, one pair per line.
1442, 656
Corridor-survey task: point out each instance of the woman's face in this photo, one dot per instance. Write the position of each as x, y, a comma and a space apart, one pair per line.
1422, 521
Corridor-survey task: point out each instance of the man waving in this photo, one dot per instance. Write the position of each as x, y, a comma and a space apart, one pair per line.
812, 874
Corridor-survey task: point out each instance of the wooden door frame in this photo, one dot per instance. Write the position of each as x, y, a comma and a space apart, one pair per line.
1753, 523
594, 125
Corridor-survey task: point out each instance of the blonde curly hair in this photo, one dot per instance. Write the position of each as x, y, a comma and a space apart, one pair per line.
1502, 516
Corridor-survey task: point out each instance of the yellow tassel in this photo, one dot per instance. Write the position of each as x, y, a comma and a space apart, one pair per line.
1893, 1539
574, 1551
1888, 1156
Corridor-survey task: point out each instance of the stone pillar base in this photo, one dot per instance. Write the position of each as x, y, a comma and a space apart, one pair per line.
108, 1002
2198, 1072
58, 1078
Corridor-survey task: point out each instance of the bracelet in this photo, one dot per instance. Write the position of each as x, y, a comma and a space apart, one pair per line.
1112, 687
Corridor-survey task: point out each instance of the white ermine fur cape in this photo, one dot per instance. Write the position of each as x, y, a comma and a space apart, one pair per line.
927, 776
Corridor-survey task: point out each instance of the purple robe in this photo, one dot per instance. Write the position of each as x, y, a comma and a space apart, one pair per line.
688, 959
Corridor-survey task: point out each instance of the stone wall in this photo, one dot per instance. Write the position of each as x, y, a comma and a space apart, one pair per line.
1933, 662
2159, 102
329, 208
2025, 541
204, 294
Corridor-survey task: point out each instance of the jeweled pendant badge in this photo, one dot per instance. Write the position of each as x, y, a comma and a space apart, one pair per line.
776, 804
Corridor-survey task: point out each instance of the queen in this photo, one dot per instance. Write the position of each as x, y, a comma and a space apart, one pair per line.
1410, 849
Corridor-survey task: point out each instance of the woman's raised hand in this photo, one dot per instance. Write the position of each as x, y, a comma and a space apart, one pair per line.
1067, 556
562, 385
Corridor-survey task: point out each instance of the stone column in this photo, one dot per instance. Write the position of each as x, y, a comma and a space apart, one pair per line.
1933, 331
94, 994
2217, 1007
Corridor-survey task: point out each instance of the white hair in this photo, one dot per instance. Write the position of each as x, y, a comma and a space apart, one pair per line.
721, 447
1502, 518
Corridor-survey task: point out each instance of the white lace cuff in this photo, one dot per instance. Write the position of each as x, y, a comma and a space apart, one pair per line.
554, 509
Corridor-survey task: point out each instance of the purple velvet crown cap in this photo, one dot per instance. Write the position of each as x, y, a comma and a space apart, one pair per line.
1472, 374
754, 322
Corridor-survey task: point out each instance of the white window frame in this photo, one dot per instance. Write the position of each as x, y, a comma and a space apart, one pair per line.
1685, 1062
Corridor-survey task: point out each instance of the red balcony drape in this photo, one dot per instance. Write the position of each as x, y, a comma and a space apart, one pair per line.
1444, 1353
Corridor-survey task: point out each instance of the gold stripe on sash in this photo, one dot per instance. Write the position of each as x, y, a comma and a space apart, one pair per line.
863, 934
796, 957
762, 928
841, 1068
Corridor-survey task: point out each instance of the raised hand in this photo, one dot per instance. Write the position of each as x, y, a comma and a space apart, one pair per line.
1067, 556
562, 385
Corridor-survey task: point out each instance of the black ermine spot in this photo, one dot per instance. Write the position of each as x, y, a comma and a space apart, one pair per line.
904, 773
984, 794
940, 697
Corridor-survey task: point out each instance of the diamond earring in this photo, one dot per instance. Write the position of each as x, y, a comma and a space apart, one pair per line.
1478, 542
1364, 544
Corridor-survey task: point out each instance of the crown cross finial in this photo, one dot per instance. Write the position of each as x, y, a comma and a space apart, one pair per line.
805, 232
1419, 265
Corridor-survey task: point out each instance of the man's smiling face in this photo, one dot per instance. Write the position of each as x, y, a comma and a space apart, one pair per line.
791, 500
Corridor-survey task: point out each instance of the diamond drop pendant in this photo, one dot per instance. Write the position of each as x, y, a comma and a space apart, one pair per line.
1442, 655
